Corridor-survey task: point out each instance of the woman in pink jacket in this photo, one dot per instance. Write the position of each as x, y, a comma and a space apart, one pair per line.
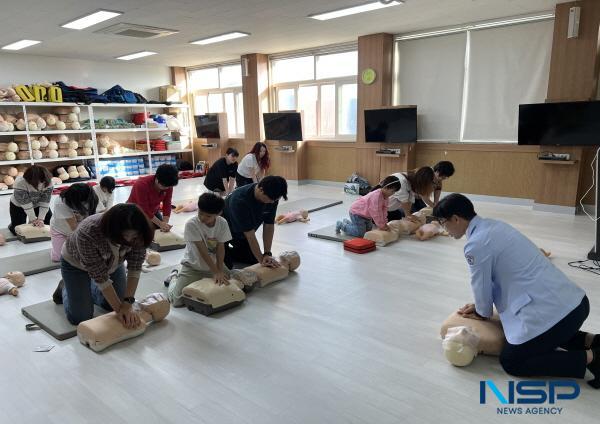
370, 208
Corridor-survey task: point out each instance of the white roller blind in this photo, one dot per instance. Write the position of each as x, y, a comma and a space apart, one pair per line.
431, 75
507, 66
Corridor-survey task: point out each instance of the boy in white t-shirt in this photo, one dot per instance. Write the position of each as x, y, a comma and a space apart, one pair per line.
104, 191
205, 237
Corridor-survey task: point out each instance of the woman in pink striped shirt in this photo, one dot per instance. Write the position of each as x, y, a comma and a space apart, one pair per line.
370, 208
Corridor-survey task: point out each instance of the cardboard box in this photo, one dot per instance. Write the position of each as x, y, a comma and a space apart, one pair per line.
169, 93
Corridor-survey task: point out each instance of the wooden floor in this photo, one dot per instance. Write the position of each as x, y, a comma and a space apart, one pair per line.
348, 339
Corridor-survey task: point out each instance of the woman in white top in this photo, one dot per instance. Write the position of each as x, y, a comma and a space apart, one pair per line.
416, 182
253, 166
104, 192
74, 204
31, 198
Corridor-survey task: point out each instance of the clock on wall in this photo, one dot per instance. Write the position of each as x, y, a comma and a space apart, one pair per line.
368, 76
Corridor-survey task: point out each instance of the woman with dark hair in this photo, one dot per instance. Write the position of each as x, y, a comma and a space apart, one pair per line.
92, 264
442, 171
74, 205
221, 175
416, 182
31, 198
253, 166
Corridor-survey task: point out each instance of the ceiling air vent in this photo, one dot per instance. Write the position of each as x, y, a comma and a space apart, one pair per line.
136, 31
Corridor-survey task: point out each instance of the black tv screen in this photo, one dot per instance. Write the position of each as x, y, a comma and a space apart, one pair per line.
207, 126
560, 124
284, 126
397, 125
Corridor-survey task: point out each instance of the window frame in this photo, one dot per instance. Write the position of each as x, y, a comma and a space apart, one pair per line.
295, 85
235, 90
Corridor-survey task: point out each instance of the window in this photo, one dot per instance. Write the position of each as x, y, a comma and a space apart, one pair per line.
348, 109
307, 103
286, 99
323, 87
204, 78
219, 89
297, 69
337, 65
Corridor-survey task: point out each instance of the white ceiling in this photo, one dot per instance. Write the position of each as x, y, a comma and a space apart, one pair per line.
275, 25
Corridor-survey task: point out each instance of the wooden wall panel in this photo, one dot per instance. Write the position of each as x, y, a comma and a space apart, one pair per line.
505, 170
330, 163
255, 90
574, 70
574, 63
375, 51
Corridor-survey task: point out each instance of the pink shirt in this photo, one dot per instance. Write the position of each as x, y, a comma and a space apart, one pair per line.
373, 206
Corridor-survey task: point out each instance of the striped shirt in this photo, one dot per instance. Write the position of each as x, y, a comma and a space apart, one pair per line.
28, 197
90, 250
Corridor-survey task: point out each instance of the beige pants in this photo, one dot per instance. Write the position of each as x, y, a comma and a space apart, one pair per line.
187, 275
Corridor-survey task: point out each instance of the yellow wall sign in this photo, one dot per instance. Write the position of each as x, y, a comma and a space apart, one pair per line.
39, 93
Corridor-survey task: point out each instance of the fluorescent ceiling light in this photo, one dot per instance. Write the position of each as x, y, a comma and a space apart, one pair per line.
222, 37
136, 55
20, 45
93, 19
367, 7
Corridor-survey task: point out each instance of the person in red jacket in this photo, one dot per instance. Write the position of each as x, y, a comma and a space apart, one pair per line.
150, 191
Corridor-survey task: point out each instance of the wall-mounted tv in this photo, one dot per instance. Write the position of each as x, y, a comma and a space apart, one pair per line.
393, 125
560, 124
283, 126
207, 126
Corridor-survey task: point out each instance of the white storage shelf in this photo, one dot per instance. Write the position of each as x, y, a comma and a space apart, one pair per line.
63, 159
95, 111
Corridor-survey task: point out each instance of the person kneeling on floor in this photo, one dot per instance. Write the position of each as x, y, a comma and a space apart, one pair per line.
541, 310
369, 208
246, 209
72, 206
205, 237
92, 264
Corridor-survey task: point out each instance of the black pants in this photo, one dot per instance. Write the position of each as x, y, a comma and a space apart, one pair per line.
238, 250
218, 188
539, 358
242, 181
394, 215
418, 205
18, 216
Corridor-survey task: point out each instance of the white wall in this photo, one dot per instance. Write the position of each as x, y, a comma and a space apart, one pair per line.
28, 69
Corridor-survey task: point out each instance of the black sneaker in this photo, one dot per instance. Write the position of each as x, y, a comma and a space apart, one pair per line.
174, 273
57, 295
594, 367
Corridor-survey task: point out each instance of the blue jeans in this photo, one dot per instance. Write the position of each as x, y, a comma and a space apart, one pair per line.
358, 226
80, 292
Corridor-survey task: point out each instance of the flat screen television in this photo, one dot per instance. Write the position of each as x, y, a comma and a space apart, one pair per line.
394, 125
283, 126
560, 124
207, 126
